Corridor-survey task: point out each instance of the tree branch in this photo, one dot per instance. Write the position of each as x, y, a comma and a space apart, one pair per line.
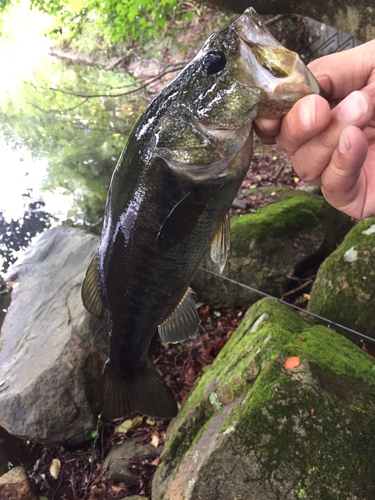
121, 94
56, 110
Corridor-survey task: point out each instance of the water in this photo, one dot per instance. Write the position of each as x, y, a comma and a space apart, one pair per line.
55, 145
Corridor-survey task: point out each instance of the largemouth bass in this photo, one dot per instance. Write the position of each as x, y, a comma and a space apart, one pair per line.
169, 198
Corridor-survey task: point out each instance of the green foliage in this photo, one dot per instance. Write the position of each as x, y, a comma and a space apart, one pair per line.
118, 19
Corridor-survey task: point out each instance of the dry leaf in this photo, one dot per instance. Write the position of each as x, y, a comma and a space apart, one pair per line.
291, 363
54, 468
155, 440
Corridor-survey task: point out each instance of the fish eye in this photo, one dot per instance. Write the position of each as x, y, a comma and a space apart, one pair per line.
214, 61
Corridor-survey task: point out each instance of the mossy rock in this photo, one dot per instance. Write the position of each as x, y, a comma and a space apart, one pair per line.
280, 240
344, 290
252, 429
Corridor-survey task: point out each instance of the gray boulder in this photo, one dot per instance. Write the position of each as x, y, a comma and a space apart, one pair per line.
116, 466
254, 430
280, 240
53, 350
344, 289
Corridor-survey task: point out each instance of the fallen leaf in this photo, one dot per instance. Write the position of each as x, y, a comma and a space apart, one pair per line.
137, 421
128, 425
54, 468
97, 492
125, 426
291, 363
155, 440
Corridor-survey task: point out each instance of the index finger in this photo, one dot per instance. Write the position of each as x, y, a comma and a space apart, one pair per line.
343, 72
267, 129
308, 118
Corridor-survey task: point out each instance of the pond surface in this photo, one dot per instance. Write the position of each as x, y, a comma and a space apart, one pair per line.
55, 143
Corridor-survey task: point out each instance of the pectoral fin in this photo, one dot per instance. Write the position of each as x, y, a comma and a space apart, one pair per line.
90, 292
183, 323
221, 244
181, 221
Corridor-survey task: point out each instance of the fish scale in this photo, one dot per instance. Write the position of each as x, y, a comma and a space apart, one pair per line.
170, 193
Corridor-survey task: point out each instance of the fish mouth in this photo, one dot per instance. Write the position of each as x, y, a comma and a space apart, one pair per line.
267, 64
250, 28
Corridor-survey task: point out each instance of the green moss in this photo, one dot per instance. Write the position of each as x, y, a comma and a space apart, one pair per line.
279, 333
186, 435
292, 423
201, 431
344, 290
306, 441
282, 219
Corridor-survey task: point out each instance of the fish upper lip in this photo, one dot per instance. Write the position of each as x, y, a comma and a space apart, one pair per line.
250, 23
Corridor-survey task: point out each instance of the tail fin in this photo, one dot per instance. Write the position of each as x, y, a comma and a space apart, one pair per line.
145, 393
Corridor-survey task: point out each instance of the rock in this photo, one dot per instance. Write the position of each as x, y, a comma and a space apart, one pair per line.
280, 240
116, 465
344, 290
135, 497
350, 16
52, 348
14, 485
252, 429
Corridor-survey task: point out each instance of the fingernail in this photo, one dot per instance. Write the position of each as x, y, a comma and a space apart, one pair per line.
344, 144
352, 108
307, 112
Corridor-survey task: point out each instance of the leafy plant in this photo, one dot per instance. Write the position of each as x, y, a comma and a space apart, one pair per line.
118, 19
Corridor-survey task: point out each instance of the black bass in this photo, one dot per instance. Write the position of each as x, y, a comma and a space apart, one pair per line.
169, 197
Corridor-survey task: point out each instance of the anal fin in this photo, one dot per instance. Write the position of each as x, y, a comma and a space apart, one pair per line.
221, 244
183, 323
145, 393
90, 292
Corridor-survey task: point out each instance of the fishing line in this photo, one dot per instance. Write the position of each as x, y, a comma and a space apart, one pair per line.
264, 294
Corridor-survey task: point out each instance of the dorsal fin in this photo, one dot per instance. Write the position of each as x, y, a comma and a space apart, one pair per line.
221, 243
183, 323
90, 292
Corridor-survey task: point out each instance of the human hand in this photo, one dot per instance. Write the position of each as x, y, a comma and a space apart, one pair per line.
334, 148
